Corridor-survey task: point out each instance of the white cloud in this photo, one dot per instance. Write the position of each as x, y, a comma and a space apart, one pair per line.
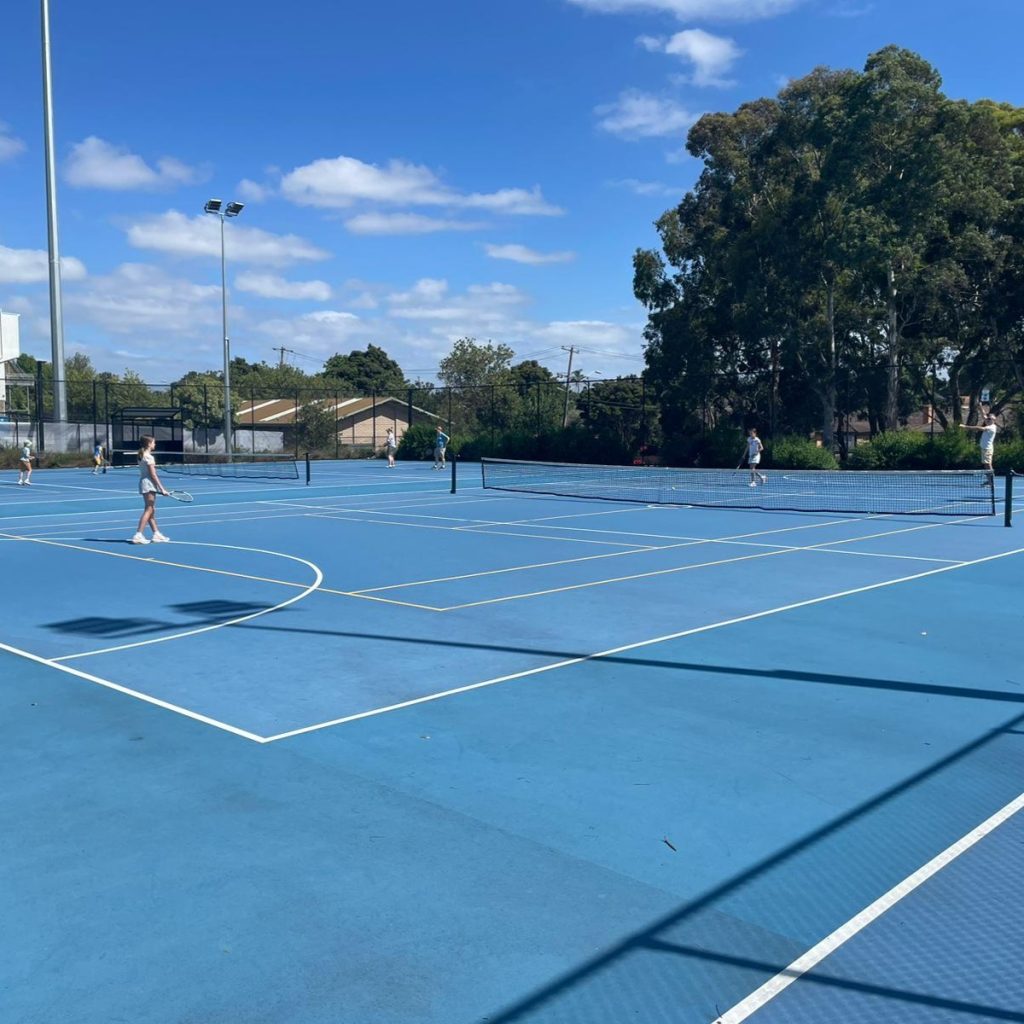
253, 191
272, 286
174, 233
521, 254
695, 10
711, 56
344, 181
648, 188
31, 266
641, 115
138, 297
405, 224
95, 163
321, 333
10, 145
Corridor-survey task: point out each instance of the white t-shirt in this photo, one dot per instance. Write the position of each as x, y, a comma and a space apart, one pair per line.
26, 453
754, 449
988, 437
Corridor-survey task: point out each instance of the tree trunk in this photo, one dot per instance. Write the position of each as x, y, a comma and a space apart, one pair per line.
892, 370
828, 390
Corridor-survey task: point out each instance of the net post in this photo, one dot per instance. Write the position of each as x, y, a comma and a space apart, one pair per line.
308, 469
455, 462
1008, 498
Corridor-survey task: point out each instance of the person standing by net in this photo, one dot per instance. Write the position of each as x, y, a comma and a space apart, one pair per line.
149, 488
987, 443
390, 447
440, 446
753, 457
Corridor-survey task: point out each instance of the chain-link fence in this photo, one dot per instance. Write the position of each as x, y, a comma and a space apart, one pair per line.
624, 419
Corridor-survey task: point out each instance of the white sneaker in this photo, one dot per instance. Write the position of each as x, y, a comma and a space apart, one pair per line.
139, 539
752, 484
159, 538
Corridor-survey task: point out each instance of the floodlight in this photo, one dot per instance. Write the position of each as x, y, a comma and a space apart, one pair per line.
233, 209
213, 206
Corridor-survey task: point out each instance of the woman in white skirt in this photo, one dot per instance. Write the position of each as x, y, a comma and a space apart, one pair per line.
149, 488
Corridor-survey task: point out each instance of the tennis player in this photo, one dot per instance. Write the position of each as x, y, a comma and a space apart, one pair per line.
97, 458
988, 430
440, 446
754, 451
149, 488
25, 465
391, 446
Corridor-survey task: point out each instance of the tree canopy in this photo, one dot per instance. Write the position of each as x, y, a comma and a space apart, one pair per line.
857, 239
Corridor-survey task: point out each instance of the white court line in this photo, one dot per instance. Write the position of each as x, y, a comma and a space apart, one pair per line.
490, 533
638, 645
685, 542
99, 681
318, 578
306, 591
230, 490
151, 560
799, 967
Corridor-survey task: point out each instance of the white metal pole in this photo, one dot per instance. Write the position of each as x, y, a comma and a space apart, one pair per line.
227, 344
60, 404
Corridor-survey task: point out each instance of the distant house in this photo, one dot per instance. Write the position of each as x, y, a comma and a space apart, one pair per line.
362, 422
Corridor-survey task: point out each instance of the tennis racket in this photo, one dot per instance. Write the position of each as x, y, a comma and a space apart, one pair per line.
182, 496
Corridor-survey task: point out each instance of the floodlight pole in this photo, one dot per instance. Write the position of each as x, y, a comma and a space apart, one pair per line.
60, 402
227, 343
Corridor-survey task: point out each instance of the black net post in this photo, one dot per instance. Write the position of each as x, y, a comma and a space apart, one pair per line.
455, 462
1008, 508
309, 471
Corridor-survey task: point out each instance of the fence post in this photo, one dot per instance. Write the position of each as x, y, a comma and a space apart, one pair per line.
494, 416
41, 440
449, 410
295, 420
409, 410
373, 420
337, 433
95, 415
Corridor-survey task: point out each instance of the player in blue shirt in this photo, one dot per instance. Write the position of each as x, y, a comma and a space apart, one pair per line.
440, 444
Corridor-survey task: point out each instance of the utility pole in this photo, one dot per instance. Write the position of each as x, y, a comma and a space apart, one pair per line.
568, 377
282, 350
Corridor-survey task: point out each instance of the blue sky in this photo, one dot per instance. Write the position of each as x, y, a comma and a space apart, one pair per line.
413, 171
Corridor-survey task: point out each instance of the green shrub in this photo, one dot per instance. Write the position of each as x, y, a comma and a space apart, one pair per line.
896, 449
951, 449
1009, 456
796, 452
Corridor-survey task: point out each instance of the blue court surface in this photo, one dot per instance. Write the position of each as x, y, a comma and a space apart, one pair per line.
368, 752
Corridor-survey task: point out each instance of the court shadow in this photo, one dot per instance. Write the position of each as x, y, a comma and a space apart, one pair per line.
702, 916
794, 675
196, 614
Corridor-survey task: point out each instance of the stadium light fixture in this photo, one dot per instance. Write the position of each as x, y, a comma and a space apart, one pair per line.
218, 209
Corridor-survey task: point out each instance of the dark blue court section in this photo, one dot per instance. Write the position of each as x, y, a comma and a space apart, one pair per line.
950, 951
647, 836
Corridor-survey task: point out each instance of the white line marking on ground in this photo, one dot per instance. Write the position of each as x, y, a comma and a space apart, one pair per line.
88, 677
639, 644
799, 967
306, 591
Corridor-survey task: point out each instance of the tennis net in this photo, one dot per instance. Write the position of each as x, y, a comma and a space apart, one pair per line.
910, 492
243, 466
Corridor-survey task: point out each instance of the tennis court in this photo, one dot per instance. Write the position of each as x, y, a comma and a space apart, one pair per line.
364, 750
